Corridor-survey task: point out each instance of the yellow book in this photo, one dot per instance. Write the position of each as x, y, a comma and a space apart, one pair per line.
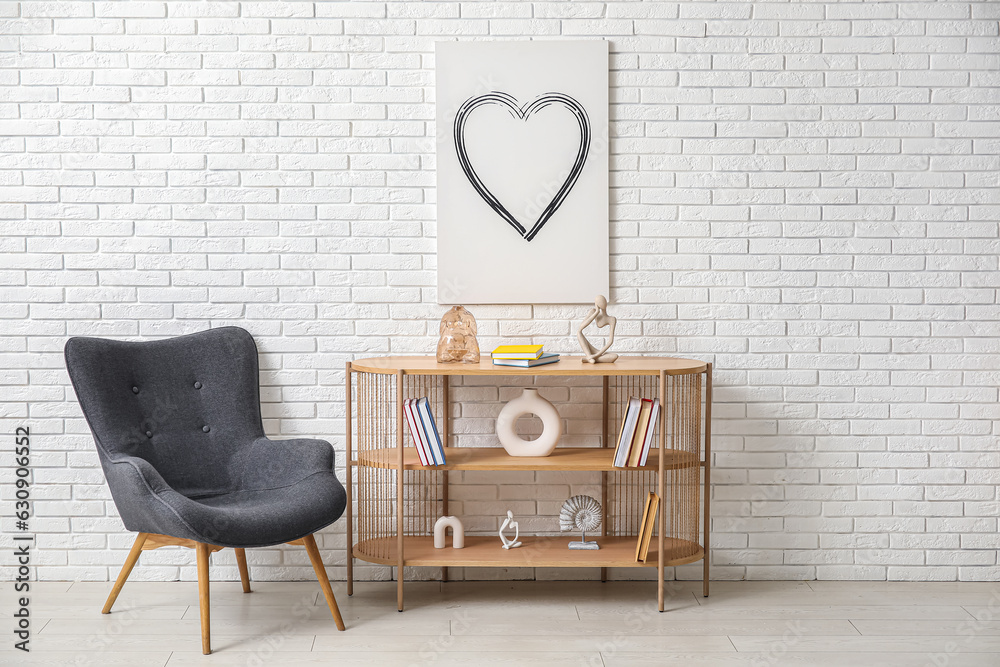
653, 502
517, 352
642, 528
639, 437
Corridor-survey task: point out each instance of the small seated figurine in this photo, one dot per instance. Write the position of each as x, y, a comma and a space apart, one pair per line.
458, 337
599, 316
511, 524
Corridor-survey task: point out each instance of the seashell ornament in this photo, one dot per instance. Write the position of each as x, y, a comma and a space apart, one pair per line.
581, 513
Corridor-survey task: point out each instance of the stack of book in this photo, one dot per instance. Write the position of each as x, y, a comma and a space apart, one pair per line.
424, 431
636, 435
522, 356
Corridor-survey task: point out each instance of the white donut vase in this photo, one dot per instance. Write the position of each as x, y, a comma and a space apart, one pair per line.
529, 402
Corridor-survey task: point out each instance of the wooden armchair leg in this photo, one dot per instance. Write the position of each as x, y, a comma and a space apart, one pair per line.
241, 562
204, 552
309, 542
133, 557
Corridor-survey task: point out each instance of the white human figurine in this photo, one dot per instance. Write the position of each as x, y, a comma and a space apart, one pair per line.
510, 523
599, 316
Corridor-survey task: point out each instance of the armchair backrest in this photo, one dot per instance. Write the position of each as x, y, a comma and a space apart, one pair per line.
186, 404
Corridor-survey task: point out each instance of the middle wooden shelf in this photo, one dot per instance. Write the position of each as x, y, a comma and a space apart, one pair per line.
496, 458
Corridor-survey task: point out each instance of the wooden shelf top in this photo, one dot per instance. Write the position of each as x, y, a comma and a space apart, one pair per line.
496, 458
535, 551
626, 365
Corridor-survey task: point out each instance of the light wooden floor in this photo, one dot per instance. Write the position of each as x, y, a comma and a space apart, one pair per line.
857, 624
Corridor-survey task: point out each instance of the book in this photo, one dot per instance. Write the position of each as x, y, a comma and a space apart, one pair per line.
416, 432
430, 430
546, 358
517, 352
646, 527
650, 431
639, 439
627, 432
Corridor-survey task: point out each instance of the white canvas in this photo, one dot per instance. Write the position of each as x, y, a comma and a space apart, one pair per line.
522, 177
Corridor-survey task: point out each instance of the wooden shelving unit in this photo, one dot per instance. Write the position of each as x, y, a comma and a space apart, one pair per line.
398, 499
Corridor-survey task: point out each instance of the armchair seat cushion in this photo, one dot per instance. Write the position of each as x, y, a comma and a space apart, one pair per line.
261, 517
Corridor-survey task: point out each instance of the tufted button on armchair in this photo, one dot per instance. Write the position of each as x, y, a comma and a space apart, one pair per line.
178, 431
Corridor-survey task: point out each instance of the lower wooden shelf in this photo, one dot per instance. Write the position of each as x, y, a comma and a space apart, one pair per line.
536, 551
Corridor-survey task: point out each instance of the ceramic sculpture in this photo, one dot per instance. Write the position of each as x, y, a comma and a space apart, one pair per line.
510, 523
581, 513
529, 402
597, 315
458, 337
441, 527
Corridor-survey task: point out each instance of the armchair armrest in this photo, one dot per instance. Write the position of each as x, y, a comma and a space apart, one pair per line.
133, 474
276, 463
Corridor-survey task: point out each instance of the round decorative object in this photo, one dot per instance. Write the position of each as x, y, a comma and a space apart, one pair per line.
581, 513
529, 402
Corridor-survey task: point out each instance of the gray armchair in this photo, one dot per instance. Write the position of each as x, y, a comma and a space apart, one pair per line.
178, 431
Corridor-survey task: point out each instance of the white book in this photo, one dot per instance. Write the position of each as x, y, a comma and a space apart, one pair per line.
628, 430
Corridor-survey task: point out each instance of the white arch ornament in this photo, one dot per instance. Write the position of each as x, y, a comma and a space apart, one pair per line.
441, 527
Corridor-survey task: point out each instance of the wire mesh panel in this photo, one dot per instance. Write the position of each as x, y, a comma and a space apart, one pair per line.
681, 506
423, 489
376, 396
680, 415
376, 438
627, 489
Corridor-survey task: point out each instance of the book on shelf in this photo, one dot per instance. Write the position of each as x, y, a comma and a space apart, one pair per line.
636, 436
641, 424
423, 431
430, 430
627, 432
546, 358
642, 446
646, 527
416, 432
517, 352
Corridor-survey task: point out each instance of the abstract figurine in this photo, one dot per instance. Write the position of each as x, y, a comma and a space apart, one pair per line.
510, 523
599, 316
441, 527
458, 337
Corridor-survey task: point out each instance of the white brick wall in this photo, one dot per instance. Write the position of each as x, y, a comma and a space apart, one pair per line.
806, 194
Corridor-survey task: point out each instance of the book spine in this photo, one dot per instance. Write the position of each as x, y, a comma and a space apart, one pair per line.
631, 413
639, 439
414, 431
432, 433
653, 416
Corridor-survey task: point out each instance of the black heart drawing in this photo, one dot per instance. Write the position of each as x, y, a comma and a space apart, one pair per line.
523, 113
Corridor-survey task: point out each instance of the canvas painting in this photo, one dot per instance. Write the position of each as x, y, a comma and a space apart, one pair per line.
522, 171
